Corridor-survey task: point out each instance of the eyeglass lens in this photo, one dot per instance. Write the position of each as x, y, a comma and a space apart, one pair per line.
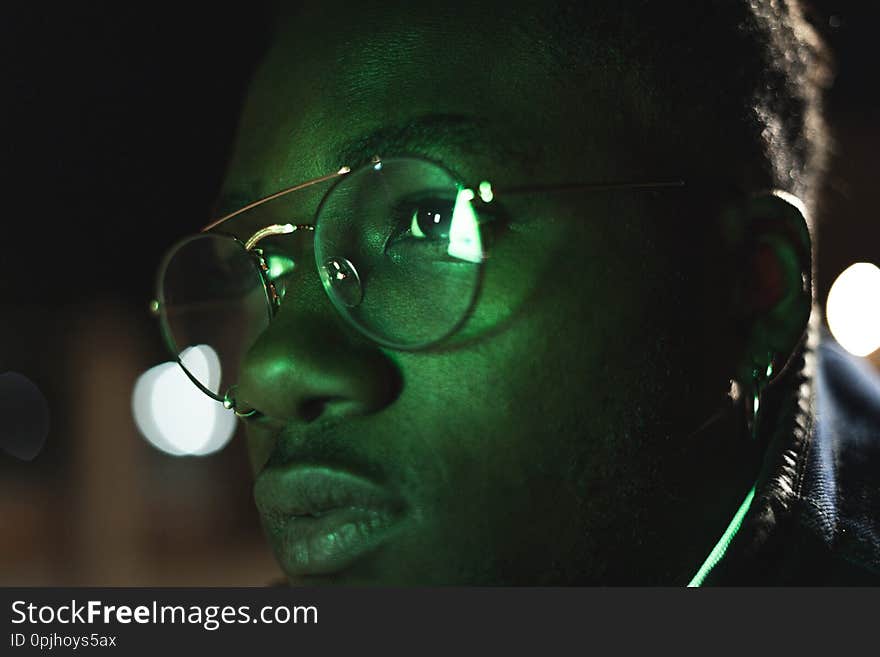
398, 249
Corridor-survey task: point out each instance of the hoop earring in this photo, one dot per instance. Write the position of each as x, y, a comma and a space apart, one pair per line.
761, 377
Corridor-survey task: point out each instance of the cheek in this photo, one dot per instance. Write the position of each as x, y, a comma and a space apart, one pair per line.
518, 435
562, 315
502, 411
578, 261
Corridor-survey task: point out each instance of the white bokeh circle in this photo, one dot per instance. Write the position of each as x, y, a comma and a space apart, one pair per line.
174, 415
853, 309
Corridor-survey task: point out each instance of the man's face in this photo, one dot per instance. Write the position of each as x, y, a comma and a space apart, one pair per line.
538, 444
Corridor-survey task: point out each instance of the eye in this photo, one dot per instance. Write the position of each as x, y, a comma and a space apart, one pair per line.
444, 226
431, 220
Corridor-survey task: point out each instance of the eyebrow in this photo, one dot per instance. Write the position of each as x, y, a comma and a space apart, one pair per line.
418, 135
421, 135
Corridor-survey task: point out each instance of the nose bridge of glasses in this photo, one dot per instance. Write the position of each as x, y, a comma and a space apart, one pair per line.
302, 306
283, 253
275, 229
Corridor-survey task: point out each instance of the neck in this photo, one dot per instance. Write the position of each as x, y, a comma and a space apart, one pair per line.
770, 462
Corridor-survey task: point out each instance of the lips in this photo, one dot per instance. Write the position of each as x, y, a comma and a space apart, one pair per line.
322, 520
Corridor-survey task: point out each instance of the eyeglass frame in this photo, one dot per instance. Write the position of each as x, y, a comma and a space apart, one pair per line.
274, 299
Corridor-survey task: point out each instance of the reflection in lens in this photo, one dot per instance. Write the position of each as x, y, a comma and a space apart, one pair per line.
341, 280
464, 233
387, 260
212, 295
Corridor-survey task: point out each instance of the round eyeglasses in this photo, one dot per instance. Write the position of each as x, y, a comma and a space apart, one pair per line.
398, 246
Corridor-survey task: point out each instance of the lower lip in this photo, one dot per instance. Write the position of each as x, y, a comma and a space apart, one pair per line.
334, 541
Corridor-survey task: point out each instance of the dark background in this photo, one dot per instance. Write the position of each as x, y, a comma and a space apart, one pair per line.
116, 125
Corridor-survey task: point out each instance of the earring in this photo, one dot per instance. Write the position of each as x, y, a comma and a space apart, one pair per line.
761, 376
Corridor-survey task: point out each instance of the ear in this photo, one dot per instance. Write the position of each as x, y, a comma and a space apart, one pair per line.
773, 279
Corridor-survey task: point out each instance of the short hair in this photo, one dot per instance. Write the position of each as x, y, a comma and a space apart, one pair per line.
757, 68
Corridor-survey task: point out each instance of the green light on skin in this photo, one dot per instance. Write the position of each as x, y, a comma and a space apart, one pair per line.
464, 230
720, 549
486, 191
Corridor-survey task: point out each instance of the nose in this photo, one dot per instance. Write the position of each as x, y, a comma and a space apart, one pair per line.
308, 365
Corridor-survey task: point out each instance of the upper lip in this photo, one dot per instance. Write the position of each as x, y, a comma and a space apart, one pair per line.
315, 490
321, 519
325, 503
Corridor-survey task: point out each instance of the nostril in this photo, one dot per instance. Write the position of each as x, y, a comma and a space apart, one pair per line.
314, 407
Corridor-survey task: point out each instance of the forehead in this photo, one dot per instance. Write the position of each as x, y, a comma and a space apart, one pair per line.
471, 84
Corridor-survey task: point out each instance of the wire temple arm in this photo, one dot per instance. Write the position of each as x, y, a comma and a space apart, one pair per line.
271, 197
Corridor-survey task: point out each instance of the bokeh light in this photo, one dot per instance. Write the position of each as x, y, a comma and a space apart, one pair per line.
25, 414
174, 415
853, 309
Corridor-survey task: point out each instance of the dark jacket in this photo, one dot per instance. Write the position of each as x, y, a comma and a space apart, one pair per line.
815, 518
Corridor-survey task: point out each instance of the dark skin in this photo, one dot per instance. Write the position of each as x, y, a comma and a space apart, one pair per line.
552, 440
